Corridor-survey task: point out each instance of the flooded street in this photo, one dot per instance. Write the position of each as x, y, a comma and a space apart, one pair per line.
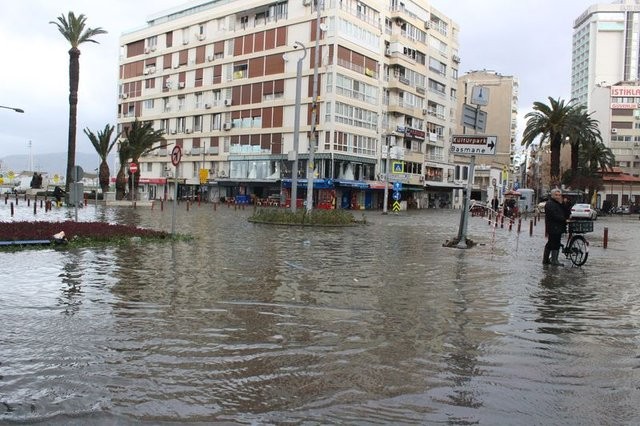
375, 324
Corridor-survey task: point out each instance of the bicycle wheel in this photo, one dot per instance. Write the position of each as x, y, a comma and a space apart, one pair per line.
578, 250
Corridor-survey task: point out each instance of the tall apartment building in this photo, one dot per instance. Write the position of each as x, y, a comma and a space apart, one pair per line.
606, 47
606, 74
220, 78
493, 173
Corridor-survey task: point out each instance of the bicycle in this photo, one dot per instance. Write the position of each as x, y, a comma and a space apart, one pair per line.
577, 247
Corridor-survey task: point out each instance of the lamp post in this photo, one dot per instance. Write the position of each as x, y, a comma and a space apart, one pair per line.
20, 110
314, 113
296, 128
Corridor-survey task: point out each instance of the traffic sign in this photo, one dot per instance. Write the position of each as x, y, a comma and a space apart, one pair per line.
396, 195
133, 167
396, 206
474, 145
474, 118
398, 167
176, 155
397, 186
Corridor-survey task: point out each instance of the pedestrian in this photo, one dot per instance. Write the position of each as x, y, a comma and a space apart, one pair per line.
555, 223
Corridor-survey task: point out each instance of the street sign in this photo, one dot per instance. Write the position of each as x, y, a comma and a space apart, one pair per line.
397, 186
473, 118
176, 155
133, 168
474, 145
397, 167
396, 195
78, 173
480, 95
396, 206
204, 176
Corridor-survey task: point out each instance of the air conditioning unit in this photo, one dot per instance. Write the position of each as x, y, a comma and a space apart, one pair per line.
124, 96
146, 71
167, 85
152, 48
306, 2
456, 58
181, 85
387, 52
614, 131
425, 111
207, 106
227, 126
228, 102
427, 25
210, 58
152, 70
185, 41
173, 132
201, 37
176, 66
188, 131
147, 50
222, 173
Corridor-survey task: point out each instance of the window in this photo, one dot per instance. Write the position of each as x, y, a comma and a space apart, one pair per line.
152, 42
197, 123
148, 104
216, 121
180, 124
239, 71
185, 35
167, 104
199, 100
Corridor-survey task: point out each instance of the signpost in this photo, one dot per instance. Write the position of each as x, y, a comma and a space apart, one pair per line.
176, 156
474, 145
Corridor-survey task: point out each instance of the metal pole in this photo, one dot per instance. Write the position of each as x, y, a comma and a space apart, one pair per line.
175, 201
75, 190
462, 236
386, 180
296, 129
314, 114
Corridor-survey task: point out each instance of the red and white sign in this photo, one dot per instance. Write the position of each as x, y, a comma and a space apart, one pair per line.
133, 167
625, 91
176, 155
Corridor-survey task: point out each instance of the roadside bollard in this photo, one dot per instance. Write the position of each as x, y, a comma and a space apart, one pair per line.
35, 207
215, 206
510, 224
161, 205
605, 241
29, 202
531, 228
11, 209
519, 225
535, 221
502, 221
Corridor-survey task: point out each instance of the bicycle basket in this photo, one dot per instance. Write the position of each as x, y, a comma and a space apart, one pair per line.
580, 226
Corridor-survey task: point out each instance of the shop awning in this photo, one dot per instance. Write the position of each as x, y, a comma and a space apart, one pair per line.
358, 184
317, 183
443, 185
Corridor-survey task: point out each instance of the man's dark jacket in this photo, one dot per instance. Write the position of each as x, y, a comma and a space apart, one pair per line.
554, 217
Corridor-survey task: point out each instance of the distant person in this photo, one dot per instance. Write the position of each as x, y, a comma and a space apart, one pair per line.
58, 193
555, 222
494, 204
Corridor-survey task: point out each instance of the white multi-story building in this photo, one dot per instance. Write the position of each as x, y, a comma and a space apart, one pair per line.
606, 47
220, 78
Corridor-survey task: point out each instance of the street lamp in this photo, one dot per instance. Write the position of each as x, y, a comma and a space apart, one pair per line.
296, 128
20, 110
314, 113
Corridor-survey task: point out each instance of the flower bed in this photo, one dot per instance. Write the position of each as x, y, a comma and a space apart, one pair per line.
74, 232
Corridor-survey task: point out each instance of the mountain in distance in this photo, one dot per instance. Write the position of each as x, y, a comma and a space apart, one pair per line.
52, 164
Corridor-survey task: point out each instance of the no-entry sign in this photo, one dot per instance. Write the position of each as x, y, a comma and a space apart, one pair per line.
133, 167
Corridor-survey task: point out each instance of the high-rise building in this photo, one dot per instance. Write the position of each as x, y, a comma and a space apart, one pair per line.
606, 47
219, 77
494, 174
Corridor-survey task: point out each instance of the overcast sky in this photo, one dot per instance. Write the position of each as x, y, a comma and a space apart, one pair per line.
529, 39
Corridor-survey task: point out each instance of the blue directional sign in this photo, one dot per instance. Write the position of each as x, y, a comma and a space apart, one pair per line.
396, 195
397, 186
398, 167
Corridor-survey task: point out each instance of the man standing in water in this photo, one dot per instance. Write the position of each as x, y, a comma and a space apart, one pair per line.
555, 222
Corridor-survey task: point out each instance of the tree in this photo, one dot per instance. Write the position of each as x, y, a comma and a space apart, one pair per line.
121, 177
552, 123
594, 158
584, 132
140, 139
103, 145
73, 29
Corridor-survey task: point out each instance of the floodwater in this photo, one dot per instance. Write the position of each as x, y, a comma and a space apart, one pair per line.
376, 324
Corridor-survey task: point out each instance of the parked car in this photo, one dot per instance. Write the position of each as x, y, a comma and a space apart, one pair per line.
583, 211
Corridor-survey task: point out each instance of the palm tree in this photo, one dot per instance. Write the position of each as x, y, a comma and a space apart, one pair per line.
103, 145
140, 139
552, 123
121, 177
73, 29
584, 131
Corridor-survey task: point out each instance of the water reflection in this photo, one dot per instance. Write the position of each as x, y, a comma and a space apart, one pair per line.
376, 324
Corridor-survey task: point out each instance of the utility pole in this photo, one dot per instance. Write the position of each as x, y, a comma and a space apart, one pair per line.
296, 128
314, 113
